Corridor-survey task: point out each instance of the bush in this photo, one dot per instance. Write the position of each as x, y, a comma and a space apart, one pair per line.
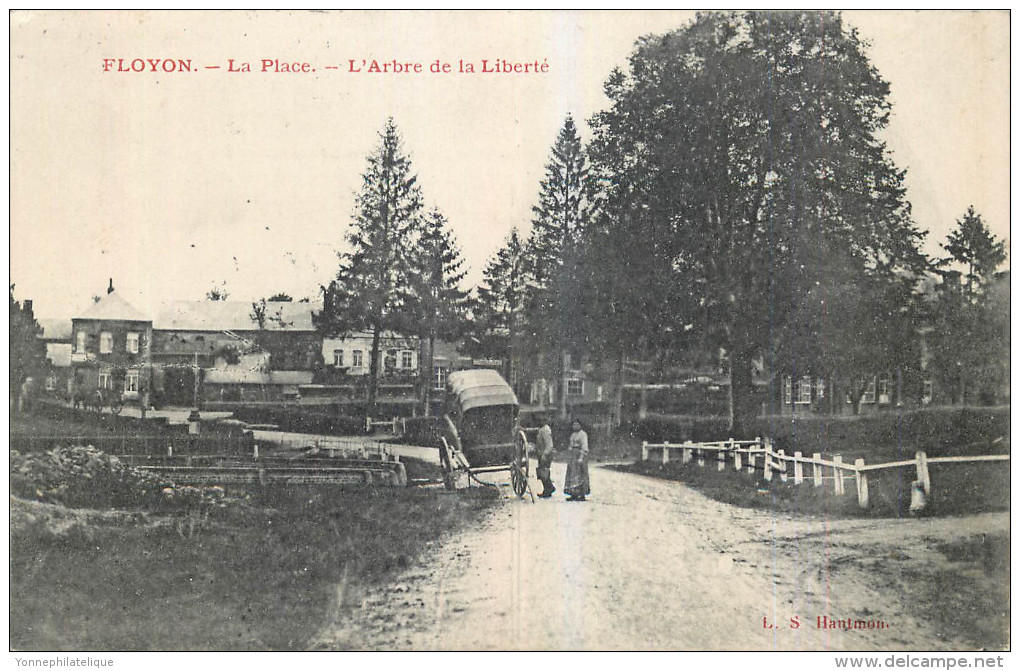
84, 477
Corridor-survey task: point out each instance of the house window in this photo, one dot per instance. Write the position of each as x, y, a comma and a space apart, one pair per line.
927, 392
439, 380
598, 393
552, 394
338, 358
131, 381
105, 342
884, 395
357, 358
104, 380
51, 383
534, 396
575, 387
787, 390
820, 388
804, 390
869, 393
80, 344
132, 343
407, 359
390, 360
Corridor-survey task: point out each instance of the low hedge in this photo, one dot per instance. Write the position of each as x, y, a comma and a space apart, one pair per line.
938, 431
301, 418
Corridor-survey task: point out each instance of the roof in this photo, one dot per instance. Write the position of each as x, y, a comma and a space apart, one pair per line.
55, 329
480, 388
245, 376
234, 316
114, 308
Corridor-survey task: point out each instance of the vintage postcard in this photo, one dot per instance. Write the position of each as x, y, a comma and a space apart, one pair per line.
509, 331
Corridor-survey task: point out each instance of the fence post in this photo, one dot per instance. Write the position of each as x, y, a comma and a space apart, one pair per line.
720, 458
752, 459
816, 469
701, 457
921, 487
169, 449
768, 461
644, 450
665, 452
736, 459
798, 468
686, 456
368, 424
922, 472
255, 451
862, 484
837, 472
782, 465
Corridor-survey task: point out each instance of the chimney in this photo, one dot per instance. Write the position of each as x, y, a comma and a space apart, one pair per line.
109, 289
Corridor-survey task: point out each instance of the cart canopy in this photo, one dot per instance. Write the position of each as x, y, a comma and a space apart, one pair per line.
479, 388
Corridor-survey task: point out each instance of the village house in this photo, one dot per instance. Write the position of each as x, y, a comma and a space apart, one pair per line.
111, 346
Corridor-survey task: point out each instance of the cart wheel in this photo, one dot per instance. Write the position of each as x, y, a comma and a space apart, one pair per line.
116, 405
520, 466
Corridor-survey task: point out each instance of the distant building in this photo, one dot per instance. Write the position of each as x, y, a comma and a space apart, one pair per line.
111, 345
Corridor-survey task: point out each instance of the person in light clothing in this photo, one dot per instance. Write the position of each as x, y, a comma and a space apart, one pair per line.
577, 485
546, 451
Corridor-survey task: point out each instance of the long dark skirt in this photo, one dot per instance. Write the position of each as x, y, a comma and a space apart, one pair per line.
577, 483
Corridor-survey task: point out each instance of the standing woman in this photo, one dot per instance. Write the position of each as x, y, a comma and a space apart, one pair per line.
577, 485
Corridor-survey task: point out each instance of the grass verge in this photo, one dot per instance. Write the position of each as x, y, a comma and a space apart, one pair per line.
260, 574
957, 489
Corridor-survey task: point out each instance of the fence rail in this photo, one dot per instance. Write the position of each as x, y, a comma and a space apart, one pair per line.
777, 461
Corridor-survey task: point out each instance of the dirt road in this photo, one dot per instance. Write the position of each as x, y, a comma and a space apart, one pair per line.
647, 564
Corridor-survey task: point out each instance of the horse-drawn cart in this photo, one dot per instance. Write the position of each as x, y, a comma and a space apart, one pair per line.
482, 432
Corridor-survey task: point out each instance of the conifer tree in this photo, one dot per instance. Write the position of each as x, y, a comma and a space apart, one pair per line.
439, 304
372, 289
556, 301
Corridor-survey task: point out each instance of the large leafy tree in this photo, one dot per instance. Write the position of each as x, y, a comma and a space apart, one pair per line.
499, 315
556, 300
439, 303
742, 153
372, 289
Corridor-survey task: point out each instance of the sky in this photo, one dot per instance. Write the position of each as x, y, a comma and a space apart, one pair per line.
175, 183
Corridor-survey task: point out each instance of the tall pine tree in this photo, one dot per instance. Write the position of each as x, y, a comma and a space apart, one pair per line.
372, 289
556, 300
439, 304
499, 319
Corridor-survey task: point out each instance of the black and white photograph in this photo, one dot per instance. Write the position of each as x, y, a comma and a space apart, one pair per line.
501, 331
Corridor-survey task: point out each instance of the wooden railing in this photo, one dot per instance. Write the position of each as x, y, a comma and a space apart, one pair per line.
834, 470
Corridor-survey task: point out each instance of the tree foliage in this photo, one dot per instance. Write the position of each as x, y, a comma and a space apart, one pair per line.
969, 340
372, 289
973, 246
498, 317
741, 169
438, 303
27, 353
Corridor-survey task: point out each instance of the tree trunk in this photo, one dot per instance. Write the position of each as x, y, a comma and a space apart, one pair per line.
373, 372
563, 382
742, 402
428, 370
617, 411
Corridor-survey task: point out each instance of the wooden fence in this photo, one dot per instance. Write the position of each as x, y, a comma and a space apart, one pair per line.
833, 470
